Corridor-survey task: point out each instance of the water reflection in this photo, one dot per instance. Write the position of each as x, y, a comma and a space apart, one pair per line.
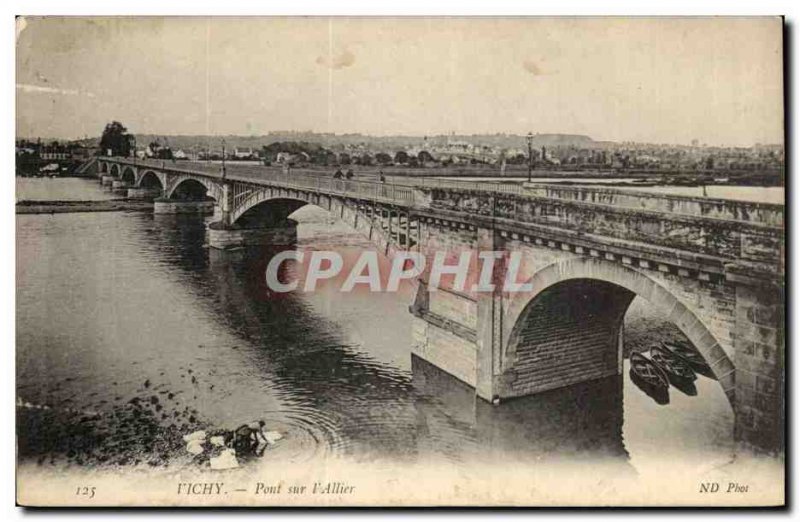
659, 394
687, 388
581, 422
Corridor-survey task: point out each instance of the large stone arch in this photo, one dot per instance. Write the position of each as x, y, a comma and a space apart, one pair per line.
102, 167
629, 283
114, 170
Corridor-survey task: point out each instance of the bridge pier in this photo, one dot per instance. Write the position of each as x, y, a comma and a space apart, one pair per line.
759, 361
119, 184
143, 193
174, 206
455, 331
224, 237
488, 307
106, 180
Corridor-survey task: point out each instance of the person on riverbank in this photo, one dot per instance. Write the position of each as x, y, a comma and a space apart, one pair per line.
249, 439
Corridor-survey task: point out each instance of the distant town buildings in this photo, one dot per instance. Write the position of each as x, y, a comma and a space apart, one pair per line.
600, 156
244, 153
51, 158
559, 152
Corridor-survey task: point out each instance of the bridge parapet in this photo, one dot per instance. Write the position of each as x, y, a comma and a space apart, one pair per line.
397, 194
750, 241
252, 178
743, 211
759, 213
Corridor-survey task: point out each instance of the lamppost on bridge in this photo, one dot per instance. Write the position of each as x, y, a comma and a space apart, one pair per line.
529, 138
133, 148
223, 158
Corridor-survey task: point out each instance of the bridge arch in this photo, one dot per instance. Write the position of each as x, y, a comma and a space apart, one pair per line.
177, 184
584, 297
114, 170
191, 189
271, 211
265, 208
128, 175
150, 179
102, 167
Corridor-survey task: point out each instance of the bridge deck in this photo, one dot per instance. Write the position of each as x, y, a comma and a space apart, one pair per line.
402, 192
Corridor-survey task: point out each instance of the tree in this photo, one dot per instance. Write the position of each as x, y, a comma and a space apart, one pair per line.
517, 159
116, 139
424, 157
383, 158
328, 158
315, 153
401, 158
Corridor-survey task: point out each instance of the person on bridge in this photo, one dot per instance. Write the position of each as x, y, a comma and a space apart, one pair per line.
381, 176
349, 174
338, 174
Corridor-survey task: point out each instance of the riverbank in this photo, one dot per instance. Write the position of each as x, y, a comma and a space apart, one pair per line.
58, 207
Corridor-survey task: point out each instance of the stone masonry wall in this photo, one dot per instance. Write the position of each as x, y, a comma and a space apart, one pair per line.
569, 335
443, 349
759, 361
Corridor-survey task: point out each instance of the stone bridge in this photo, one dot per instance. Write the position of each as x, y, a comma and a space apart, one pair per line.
715, 268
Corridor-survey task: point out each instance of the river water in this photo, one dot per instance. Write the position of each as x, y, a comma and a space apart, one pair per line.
130, 334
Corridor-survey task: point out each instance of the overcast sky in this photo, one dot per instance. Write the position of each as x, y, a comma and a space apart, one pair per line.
666, 81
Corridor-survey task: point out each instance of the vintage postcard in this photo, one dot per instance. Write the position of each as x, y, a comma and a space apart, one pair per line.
420, 261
